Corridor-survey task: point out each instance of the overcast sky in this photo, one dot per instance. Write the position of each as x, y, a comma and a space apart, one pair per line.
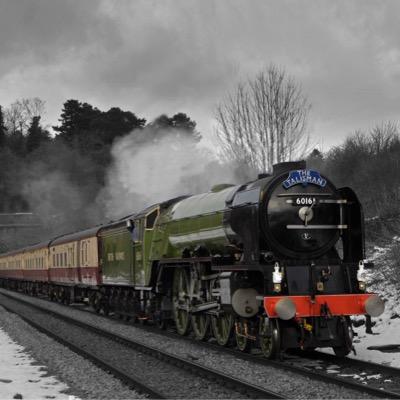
154, 57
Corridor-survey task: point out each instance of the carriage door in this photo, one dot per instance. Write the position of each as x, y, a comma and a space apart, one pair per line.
138, 269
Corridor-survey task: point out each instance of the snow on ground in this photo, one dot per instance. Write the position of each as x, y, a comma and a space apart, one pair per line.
387, 328
19, 379
386, 332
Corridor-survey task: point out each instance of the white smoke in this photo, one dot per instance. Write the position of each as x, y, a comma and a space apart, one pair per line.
149, 167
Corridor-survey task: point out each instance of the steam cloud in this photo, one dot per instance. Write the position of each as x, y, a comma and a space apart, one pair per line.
148, 166
60, 192
146, 171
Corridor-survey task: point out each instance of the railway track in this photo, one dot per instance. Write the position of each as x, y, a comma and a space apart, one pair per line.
369, 374
374, 379
161, 374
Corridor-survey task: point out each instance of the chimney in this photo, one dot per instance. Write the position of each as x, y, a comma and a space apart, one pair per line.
281, 168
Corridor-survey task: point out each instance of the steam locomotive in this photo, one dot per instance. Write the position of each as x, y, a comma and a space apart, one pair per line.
276, 263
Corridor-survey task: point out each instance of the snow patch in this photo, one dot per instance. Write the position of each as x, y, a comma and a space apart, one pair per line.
387, 328
20, 379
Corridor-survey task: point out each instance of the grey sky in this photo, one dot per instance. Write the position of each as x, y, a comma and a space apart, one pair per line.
155, 57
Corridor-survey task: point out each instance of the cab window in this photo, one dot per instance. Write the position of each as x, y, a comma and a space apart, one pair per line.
151, 219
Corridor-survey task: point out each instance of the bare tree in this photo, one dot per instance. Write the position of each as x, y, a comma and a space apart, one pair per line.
33, 107
14, 118
264, 120
20, 114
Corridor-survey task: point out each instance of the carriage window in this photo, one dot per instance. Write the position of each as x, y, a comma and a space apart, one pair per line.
65, 260
151, 219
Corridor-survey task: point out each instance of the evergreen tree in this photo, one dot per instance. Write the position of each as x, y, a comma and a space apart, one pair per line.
87, 126
179, 124
16, 143
161, 122
116, 122
36, 135
76, 119
183, 123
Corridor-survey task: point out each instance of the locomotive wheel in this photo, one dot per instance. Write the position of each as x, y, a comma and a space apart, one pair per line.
269, 336
97, 302
222, 327
66, 299
52, 295
243, 343
106, 306
180, 300
347, 332
201, 326
200, 320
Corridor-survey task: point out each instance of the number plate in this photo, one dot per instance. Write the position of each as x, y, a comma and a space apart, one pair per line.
305, 201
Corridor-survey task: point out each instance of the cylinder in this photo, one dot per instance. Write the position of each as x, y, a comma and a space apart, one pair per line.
245, 303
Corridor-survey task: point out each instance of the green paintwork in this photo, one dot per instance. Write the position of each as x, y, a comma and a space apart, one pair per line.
116, 255
186, 224
192, 221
